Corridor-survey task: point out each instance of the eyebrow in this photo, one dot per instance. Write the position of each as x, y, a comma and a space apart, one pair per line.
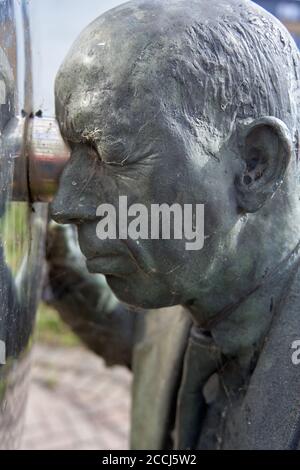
75, 117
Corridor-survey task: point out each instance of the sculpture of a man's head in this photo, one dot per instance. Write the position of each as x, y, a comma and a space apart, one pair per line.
188, 102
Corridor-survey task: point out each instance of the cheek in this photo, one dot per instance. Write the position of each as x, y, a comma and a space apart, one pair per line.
143, 292
221, 215
220, 207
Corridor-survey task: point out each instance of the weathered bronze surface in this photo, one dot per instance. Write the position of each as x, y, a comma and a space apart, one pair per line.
189, 101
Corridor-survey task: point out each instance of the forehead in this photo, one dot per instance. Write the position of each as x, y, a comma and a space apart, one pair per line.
114, 111
109, 89
126, 68
118, 55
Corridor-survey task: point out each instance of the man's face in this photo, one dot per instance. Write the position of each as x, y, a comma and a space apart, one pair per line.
144, 119
123, 121
144, 154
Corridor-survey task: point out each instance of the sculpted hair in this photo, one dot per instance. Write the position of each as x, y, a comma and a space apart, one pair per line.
204, 63
235, 68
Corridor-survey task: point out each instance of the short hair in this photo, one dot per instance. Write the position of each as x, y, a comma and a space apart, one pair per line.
239, 65
208, 62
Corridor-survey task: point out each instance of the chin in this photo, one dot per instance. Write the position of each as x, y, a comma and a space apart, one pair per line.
138, 294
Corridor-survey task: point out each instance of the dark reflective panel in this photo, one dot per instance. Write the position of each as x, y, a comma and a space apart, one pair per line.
21, 229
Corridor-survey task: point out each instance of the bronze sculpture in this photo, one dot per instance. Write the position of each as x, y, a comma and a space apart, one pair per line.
192, 102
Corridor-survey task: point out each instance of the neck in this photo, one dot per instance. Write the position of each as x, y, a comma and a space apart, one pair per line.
240, 327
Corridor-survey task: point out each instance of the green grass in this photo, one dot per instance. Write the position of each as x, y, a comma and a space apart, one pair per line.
51, 330
15, 236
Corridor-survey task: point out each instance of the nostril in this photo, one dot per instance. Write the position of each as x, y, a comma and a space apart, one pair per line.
74, 221
57, 217
58, 214
63, 211
62, 218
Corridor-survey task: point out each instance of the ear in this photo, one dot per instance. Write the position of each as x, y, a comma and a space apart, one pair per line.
266, 149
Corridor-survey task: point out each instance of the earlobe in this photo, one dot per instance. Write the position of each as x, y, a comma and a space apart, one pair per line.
266, 152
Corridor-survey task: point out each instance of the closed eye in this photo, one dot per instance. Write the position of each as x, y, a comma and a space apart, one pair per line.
93, 151
122, 163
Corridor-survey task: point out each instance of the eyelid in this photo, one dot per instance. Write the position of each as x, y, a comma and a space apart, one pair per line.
107, 150
95, 150
114, 152
89, 147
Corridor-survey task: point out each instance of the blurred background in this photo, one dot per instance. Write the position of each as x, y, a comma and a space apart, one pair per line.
75, 402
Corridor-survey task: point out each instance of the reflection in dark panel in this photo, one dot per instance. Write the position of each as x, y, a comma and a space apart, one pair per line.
21, 229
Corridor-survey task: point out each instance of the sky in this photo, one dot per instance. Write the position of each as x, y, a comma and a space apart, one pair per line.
55, 24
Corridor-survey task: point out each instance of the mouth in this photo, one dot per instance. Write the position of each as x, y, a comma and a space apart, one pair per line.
114, 265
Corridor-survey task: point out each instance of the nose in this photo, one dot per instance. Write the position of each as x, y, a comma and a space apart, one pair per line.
73, 201
61, 211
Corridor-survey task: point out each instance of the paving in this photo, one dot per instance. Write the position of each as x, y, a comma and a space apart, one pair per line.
76, 402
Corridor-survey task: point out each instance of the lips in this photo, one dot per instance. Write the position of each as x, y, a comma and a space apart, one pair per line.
118, 265
108, 257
